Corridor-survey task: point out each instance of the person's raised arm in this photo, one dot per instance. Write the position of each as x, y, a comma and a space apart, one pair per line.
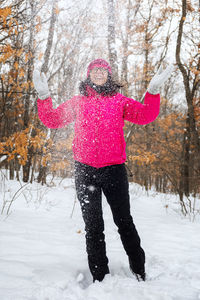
143, 114
50, 117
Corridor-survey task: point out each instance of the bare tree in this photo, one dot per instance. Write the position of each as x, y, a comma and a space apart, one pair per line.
191, 81
111, 38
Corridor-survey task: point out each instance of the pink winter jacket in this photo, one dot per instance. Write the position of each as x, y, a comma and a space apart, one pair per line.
99, 121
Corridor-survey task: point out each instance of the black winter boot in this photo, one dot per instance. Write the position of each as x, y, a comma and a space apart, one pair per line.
139, 273
99, 276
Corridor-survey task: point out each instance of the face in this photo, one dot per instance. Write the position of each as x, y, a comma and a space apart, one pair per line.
99, 76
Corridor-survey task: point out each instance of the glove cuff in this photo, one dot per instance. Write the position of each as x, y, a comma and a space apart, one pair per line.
45, 96
153, 91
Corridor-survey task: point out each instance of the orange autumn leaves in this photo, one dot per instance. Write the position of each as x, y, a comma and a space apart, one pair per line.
9, 27
16, 147
13, 56
22, 142
164, 137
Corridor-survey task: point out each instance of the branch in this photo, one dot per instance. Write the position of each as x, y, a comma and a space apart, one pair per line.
178, 47
50, 38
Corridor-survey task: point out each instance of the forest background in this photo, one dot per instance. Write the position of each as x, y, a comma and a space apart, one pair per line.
137, 37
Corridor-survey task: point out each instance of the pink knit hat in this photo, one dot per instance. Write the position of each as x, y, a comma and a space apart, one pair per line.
99, 63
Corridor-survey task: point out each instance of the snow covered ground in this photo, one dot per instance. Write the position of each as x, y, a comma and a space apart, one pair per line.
42, 248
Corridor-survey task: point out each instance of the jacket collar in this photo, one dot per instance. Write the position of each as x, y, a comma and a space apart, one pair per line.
92, 93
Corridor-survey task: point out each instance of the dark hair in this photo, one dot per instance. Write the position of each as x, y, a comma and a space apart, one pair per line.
110, 88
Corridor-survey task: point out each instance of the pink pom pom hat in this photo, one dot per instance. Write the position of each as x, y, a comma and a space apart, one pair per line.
99, 63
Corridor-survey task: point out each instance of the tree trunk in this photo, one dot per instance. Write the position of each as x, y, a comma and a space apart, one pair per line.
50, 38
26, 167
192, 139
42, 170
185, 174
111, 39
42, 175
186, 81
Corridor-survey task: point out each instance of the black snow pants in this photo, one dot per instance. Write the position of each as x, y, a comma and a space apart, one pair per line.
113, 181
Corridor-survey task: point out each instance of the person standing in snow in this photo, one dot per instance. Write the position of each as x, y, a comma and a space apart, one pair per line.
99, 113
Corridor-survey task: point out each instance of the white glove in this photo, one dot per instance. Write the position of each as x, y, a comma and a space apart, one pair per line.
41, 85
158, 79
